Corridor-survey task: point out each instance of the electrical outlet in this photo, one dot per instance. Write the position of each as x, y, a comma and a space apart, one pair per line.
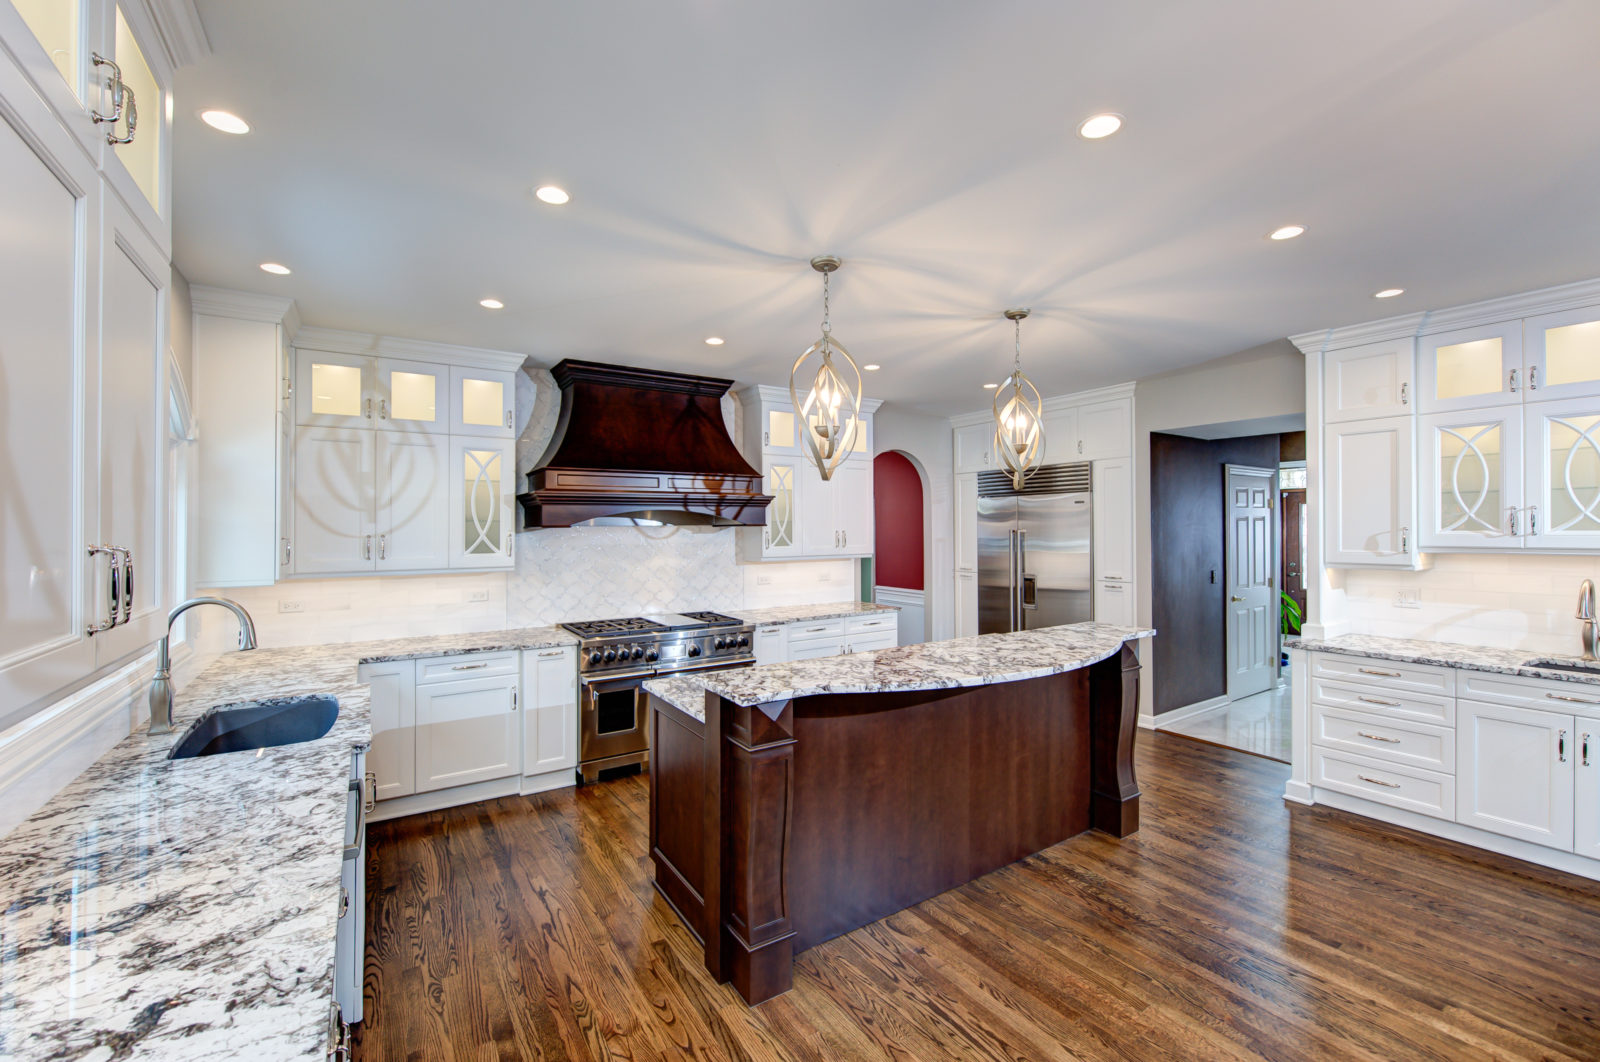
764, 579
824, 577
291, 606
1408, 599
478, 595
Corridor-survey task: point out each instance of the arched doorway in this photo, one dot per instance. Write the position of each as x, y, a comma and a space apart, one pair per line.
900, 553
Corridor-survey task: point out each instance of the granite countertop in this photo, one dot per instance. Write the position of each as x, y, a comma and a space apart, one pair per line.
186, 909
1447, 654
802, 613
684, 693
985, 660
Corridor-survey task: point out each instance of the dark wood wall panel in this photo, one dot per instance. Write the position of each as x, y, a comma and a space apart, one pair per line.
1187, 545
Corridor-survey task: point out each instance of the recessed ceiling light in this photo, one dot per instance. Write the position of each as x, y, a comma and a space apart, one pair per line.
551, 194
871, 368
1388, 293
275, 269
990, 387
1099, 126
225, 122
714, 341
1288, 232
491, 304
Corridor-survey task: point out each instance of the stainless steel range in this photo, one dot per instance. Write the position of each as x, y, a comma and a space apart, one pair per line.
618, 655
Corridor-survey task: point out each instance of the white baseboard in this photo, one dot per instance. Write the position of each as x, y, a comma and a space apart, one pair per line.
1178, 715
439, 799
1299, 793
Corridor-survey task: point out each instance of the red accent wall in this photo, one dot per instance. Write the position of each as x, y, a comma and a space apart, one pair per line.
897, 507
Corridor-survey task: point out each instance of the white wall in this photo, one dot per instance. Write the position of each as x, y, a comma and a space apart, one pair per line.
928, 440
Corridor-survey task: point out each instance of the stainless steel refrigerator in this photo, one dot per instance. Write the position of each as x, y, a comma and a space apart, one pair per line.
1035, 568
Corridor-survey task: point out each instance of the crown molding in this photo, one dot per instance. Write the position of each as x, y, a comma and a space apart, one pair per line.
1383, 330
244, 306
178, 27
340, 342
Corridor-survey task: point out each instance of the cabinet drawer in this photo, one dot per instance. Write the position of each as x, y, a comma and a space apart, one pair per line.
873, 621
1396, 741
466, 665
822, 630
865, 643
815, 649
1440, 711
1549, 695
1388, 674
1411, 788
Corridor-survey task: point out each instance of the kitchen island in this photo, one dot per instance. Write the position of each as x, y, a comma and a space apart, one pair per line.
792, 803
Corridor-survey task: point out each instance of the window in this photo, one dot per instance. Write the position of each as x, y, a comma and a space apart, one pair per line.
1292, 478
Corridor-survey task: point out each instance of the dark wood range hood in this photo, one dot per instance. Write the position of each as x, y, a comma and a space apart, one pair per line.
635, 443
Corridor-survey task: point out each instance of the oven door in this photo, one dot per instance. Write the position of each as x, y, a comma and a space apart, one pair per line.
612, 716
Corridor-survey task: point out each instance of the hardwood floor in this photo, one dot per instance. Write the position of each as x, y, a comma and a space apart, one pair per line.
1232, 926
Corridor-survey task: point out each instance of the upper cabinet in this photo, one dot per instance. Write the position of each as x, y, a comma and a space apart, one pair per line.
482, 402
1562, 440
974, 446
1471, 368
1471, 479
1562, 354
1368, 468
1374, 380
1086, 427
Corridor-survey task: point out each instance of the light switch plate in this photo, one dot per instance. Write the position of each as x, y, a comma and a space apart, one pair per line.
478, 595
1408, 599
291, 606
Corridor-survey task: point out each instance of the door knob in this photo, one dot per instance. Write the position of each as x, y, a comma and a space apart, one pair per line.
1237, 599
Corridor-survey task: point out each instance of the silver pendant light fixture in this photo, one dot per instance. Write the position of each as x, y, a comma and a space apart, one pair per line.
830, 413
1019, 420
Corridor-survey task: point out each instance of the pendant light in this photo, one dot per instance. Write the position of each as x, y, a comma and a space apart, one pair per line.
830, 414
1019, 422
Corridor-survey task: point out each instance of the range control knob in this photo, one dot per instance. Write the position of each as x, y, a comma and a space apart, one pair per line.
637, 652
694, 649
652, 656
611, 655
722, 643
594, 657
744, 640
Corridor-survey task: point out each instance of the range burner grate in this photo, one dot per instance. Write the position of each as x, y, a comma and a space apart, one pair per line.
625, 625
714, 619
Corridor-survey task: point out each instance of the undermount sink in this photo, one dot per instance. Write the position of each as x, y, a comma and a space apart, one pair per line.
258, 725
1580, 667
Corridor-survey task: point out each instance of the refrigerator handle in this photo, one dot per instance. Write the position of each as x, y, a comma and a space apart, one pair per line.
1030, 591
1013, 614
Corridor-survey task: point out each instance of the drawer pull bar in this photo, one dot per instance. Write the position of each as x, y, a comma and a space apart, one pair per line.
1572, 700
467, 667
1379, 781
814, 630
1375, 671
1378, 737
1376, 700
552, 652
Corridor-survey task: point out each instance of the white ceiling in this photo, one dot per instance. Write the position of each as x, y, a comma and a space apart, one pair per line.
712, 147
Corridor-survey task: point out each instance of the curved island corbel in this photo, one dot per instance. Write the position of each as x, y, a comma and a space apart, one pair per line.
791, 803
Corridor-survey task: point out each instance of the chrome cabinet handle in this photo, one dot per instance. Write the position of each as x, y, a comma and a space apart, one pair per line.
553, 652
383, 546
368, 413
1514, 381
1533, 377
1561, 747
366, 547
1583, 749
1378, 737
1379, 781
815, 630
1375, 700
1405, 540
467, 667
383, 409
132, 116
344, 901
1569, 700
127, 584
508, 418
1405, 394
286, 552
513, 698
370, 797
116, 91
1533, 520
116, 589
1513, 520
845, 535
1376, 671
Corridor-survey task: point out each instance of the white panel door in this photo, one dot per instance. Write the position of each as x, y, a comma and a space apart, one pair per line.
816, 650
482, 476
467, 731
483, 402
1252, 598
1374, 380
1113, 603
1586, 790
819, 526
1368, 499
1514, 772
853, 507
392, 757
411, 396
49, 213
1113, 520
334, 390
1105, 429
333, 500
1063, 440
1562, 352
413, 501
1471, 368
975, 447
966, 523
771, 645
550, 727
135, 276
1470, 480
966, 604
1563, 465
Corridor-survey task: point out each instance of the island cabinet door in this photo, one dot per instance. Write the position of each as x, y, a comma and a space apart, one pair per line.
1586, 790
1515, 772
467, 731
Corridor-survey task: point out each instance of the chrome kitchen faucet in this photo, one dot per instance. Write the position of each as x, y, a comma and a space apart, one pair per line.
161, 685
1591, 625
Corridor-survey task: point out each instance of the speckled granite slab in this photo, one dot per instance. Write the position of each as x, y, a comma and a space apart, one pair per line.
981, 661
801, 613
1446, 654
688, 695
186, 910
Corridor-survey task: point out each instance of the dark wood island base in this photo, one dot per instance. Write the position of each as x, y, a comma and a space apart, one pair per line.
776, 827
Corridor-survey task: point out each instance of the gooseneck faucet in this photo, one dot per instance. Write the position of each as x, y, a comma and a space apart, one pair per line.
161, 685
1591, 625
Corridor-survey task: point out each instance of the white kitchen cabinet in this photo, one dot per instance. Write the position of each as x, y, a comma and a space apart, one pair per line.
467, 731
974, 447
550, 720
482, 478
771, 644
1369, 494
1515, 772
854, 509
1062, 439
1471, 368
391, 759
1561, 352
482, 402
1113, 520
410, 396
1105, 430
816, 649
1586, 790
139, 170
412, 528
334, 389
780, 539
1113, 602
1562, 446
1371, 380
1470, 479
966, 604
966, 517
335, 476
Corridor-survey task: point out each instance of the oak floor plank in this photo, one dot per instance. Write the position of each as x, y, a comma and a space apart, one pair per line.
1232, 927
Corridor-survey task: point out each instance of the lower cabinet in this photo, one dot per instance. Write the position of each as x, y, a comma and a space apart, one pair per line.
550, 723
467, 731
1516, 772
391, 759
771, 644
1113, 602
966, 604
815, 639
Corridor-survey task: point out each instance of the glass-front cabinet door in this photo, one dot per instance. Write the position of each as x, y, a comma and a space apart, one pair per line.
780, 430
58, 27
482, 402
1472, 368
1471, 480
482, 476
334, 390
781, 537
408, 394
1563, 495
1563, 354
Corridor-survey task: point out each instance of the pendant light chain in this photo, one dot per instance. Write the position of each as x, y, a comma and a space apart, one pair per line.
825, 330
